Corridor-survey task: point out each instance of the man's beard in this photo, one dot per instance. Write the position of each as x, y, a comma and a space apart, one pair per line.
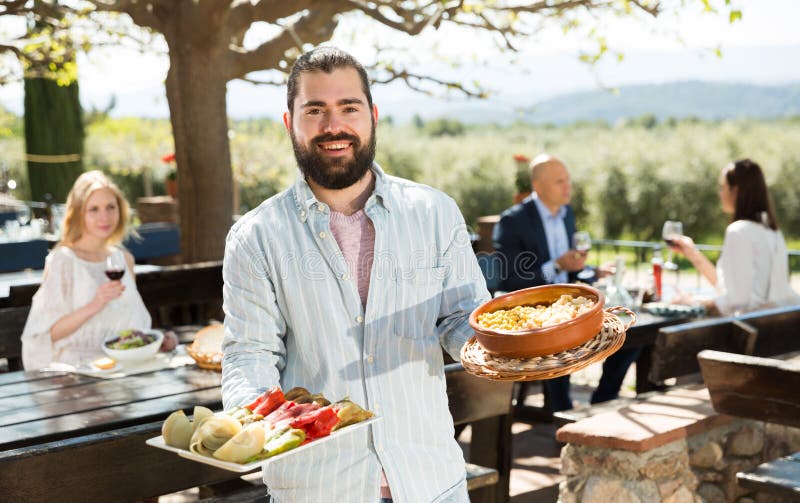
332, 172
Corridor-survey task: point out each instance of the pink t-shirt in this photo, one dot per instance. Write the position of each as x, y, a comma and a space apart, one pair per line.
355, 235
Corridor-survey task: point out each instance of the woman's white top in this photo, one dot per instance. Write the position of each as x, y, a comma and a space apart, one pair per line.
69, 284
753, 269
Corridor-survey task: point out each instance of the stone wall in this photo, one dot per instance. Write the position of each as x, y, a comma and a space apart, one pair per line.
699, 468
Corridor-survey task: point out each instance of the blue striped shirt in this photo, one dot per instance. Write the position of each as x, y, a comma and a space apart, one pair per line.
293, 316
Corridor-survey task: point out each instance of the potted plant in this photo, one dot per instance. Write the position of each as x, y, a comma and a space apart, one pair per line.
171, 181
522, 178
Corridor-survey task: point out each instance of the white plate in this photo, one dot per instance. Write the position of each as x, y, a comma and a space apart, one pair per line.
159, 362
158, 442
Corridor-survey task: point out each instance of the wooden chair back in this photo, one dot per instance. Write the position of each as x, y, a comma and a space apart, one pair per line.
676, 346
778, 330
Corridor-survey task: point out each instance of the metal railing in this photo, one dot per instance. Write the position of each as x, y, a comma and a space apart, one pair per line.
643, 251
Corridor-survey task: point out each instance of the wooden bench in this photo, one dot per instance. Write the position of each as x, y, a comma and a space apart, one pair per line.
486, 407
765, 389
778, 330
183, 294
12, 322
674, 354
110, 466
676, 347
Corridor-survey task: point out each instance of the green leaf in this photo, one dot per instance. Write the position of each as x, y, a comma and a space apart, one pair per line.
735, 15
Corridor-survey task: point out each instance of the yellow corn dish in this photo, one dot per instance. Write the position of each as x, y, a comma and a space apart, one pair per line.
564, 309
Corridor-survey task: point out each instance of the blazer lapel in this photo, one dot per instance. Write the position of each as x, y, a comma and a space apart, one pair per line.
536, 237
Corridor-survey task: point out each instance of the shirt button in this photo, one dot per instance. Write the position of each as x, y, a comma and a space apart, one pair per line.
345, 276
370, 359
302, 214
359, 319
321, 207
322, 235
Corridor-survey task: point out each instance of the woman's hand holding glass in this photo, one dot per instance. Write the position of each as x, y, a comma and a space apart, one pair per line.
114, 270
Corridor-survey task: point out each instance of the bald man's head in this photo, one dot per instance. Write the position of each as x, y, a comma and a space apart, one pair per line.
551, 181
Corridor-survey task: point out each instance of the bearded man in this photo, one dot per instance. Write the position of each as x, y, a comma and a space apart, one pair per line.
350, 283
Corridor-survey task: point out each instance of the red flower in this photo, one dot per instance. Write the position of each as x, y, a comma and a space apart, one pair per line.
168, 157
521, 158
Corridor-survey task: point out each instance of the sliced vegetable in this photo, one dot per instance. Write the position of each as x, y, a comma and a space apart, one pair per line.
316, 424
267, 401
280, 441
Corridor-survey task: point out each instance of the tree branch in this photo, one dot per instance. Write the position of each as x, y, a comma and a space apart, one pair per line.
263, 82
412, 80
313, 28
413, 21
142, 13
244, 12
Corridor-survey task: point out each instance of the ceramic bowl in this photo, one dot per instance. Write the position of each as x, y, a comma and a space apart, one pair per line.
539, 341
134, 354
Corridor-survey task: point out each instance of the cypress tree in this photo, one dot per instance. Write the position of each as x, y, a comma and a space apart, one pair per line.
53, 134
53, 130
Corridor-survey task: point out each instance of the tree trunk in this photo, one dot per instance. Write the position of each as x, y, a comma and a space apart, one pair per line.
53, 137
196, 91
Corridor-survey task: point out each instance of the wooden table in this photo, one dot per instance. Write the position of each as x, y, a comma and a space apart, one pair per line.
71, 438
75, 438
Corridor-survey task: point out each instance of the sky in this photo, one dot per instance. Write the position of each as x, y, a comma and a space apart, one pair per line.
762, 48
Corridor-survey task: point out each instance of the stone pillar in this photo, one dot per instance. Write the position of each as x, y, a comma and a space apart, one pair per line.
602, 475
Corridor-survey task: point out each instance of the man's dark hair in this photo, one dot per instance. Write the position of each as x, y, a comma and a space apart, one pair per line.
324, 59
752, 198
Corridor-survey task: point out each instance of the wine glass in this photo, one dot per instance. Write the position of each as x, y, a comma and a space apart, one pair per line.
671, 230
583, 243
23, 214
115, 265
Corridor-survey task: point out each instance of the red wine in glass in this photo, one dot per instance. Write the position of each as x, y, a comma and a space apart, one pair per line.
115, 265
115, 274
670, 242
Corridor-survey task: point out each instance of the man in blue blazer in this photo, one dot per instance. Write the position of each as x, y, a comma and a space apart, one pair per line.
535, 240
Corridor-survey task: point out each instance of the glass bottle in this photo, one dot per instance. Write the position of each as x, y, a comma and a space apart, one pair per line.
658, 264
616, 294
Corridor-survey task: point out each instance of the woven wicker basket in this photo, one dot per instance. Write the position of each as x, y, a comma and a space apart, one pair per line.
206, 348
479, 362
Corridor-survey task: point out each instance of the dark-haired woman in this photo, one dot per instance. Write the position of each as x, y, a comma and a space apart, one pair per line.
753, 269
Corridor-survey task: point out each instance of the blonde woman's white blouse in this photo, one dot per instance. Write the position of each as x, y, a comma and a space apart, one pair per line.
753, 269
69, 284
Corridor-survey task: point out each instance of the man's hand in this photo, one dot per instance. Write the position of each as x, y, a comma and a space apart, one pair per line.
572, 261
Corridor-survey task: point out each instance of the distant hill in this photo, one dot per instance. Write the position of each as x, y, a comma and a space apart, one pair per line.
704, 100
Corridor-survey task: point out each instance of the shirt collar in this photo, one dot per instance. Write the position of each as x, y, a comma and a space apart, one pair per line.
304, 198
544, 210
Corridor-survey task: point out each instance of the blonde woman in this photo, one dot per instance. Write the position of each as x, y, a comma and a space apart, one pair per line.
77, 305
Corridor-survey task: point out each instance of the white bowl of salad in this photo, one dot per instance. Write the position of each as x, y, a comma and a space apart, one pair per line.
132, 344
